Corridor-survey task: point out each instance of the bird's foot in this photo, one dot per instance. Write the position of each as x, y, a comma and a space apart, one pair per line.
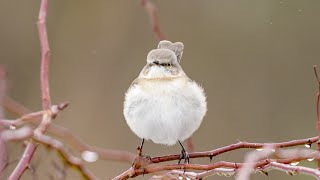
141, 160
184, 155
141, 155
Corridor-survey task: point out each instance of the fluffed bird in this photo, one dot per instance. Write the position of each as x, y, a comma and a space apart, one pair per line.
163, 104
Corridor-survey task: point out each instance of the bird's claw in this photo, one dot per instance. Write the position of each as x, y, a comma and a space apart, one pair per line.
141, 161
184, 155
147, 157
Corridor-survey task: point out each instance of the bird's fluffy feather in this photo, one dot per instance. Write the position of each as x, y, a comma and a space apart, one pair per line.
165, 111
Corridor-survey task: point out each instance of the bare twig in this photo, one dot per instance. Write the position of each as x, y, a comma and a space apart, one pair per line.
130, 173
3, 155
194, 175
22, 120
3, 146
295, 169
30, 149
261, 165
66, 155
23, 163
133, 172
65, 134
317, 108
18, 134
239, 145
250, 162
45, 55
46, 101
151, 9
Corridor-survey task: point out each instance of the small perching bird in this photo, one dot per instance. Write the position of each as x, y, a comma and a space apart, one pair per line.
163, 104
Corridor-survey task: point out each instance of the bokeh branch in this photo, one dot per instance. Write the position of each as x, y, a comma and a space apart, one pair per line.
34, 118
251, 161
317, 108
3, 146
46, 102
66, 155
152, 11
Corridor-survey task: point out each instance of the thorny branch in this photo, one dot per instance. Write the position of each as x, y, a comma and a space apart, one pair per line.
239, 145
229, 168
132, 172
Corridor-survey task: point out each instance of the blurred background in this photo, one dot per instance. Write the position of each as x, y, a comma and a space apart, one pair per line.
253, 58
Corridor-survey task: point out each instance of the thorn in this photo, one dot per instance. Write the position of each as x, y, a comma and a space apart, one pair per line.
289, 173
265, 173
310, 143
143, 171
211, 157
236, 165
63, 105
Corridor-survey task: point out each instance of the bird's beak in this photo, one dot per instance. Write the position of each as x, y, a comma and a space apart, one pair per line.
156, 62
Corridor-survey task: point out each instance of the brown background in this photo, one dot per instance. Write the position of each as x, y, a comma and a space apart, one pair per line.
254, 59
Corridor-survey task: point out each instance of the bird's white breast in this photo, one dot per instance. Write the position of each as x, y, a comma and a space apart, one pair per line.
165, 111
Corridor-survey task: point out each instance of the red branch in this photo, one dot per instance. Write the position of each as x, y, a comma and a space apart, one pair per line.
66, 155
317, 106
46, 101
63, 133
31, 147
250, 162
261, 165
133, 172
296, 169
45, 55
152, 12
239, 145
3, 146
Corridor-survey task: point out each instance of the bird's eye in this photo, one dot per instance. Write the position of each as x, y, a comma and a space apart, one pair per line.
166, 65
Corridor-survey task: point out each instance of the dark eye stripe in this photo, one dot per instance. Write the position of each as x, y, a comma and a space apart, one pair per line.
166, 64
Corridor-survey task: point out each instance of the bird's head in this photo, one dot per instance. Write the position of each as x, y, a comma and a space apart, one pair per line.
162, 63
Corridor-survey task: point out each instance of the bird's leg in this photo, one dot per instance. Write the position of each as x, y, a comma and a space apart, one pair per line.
140, 148
140, 151
184, 154
141, 160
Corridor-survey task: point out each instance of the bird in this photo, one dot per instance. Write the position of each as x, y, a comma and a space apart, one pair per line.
163, 104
